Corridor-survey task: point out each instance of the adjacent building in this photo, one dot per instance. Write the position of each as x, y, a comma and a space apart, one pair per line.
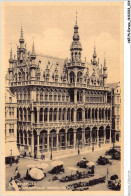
11, 149
61, 103
116, 111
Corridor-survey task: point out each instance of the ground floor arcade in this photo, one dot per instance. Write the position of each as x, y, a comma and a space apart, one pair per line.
37, 142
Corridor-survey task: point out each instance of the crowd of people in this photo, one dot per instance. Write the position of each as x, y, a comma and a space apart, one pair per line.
78, 175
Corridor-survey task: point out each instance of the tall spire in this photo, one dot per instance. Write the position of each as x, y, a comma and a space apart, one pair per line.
94, 55
33, 54
21, 35
11, 57
33, 48
76, 17
104, 60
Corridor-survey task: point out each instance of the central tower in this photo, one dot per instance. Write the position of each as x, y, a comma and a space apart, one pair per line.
76, 47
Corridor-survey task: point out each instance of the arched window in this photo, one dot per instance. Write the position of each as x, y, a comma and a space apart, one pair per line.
46, 96
79, 96
60, 113
55, 114
72, 77
28, 94
24, 95
24, 114
41, 114
50, 96
45, 114
41, 95
37, 95
50, 114
79, 77
108, 114
29, 115
19, 76
23, 76
79, 114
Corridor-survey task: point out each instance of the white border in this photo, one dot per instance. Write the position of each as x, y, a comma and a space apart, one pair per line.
126, 106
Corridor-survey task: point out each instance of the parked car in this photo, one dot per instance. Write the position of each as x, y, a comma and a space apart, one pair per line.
114, 183
103, 161
83, 163
57, 169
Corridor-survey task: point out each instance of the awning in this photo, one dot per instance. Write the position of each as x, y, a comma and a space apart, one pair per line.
11, 149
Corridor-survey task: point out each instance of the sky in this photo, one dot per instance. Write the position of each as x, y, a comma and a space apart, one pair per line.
51, 26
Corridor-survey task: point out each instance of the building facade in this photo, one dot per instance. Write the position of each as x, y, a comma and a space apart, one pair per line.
11, 149
116, 111
61, 103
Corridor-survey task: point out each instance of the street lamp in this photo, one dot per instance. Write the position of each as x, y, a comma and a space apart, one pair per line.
11, 158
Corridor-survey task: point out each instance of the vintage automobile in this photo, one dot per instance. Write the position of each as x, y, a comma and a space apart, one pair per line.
116, 155
103, 161
114, 183
83, 163
57, 170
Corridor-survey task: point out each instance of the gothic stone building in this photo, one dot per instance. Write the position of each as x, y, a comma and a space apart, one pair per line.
61, 103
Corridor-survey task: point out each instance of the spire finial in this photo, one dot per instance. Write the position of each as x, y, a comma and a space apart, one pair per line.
94, 55
33, 46
76, 17
21, 36
11, 57
104, 59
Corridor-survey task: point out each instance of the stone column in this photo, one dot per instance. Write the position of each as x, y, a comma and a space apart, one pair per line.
74, 115
98, 114
66, 138
23, 138
83, 137
43, 114
66, 115
98, 137
104, 135
110, 135
57, 141
84, 96
75, 96
57, 114
48, 115
32, 116
32, 144
91, 114
83, 115
74, 138
38, 146
48, 147
90, 138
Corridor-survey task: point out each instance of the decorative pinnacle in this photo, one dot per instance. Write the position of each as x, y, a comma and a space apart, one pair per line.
33, 48
94, 55
11, 56
21, 37
104, 60
76, 18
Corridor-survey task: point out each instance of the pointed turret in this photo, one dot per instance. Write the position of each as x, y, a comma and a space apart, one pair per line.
33, 54
94, 56
21, 40
22, 48
33, 67
11, 63
76, 47
104, 71
11, 57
